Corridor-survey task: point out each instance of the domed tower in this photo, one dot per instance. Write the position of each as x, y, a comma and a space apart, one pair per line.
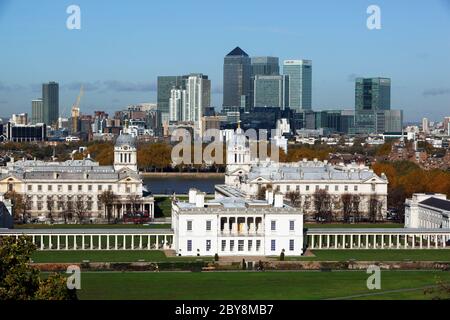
238, 157
125, 153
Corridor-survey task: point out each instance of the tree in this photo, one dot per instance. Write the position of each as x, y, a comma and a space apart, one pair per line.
294, 197
108, 198
322, 205
50, 208
80, 208
17, 200
135, 201
356, 201
19, 280
374, 208
347, 206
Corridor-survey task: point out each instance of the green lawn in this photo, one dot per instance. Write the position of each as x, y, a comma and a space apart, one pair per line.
106, 256
253, 285
357, 225
377, 255
92, 226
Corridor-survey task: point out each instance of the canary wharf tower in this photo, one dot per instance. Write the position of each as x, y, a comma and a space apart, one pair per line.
236, 79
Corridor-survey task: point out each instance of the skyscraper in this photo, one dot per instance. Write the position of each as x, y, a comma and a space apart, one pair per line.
269, 91
265, 66
50, 100
371, 96
37, 111
300, 83
425, 125
236, 79
165, 85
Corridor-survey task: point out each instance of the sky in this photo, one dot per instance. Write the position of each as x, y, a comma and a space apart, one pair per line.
123, 46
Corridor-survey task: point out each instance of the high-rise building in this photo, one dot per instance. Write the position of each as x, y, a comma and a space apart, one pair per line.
50, 98
269, 91
300, 83
176, 103
389, 121
371, 95
425, 125
165, 85
19, 119
265, 66
37, 111
237, 79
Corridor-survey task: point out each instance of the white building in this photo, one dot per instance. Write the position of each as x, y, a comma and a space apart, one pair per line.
249, 175
427, 211
233, 226
60, 186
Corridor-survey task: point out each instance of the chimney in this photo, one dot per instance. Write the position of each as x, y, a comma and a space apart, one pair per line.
269, 196
200, 200
192, 195
279, 200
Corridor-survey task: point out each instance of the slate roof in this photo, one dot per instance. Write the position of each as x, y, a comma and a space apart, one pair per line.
437, 203
237, 52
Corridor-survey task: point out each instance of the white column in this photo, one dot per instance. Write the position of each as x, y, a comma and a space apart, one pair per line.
99, 242
107, 242
382, 241
328, 241
34, 240
165, 242
421, 242
444, 241
91, 243
42, 242
148, 242
50, 242
436, 241
406, 241
320, 241
312, 241
157, 242
140, 242
428, 241
351, 241
132, 242
67, 242
75, 246
336, 238
413, 241
116, 245
359, 241
124, 242
398, 241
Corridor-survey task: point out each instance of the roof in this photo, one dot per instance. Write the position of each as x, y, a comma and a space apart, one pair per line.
130, 231
356, 231
437, 203
125, 139
237, 52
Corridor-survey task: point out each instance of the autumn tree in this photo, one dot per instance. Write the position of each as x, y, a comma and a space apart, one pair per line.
80, 208
294, 197
347, 206
18, 202
19, 280
375, 206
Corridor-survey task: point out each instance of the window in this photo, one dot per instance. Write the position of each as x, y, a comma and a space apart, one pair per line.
60, 188
346, 188
80, 187
189, 225
208, 245
273, 225
292, 225
231, 245
110, 188
189, 245
69, 188
336, 188
373, 187
317, 188
224, 245
288, 188
273, 245
241, 245
208, 225
297, 188
49, 188
30, 188
100, 187
307, 188
250, 245
356, 188
291, 245
258, 245
327, 188
89, 187
39, 188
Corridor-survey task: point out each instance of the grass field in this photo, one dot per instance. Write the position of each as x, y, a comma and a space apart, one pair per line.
106, 256
254, 285
159, 256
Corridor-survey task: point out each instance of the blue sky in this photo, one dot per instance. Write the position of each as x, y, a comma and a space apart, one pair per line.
124, 45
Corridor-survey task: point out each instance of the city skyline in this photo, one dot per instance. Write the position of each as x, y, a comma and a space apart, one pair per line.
104, 57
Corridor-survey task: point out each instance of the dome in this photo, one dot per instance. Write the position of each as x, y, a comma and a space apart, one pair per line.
125, 139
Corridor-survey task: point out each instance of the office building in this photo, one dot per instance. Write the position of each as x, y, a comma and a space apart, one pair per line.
165, 85
237, 79
19, 119
389, 121
269, 91
37, 111
265, 66
26, 133
371, 95
300, 84
50, 100
425, 125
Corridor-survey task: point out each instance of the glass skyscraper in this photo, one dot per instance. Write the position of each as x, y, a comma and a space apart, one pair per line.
236, 79
371, 96
265, 66
165, 85
50, 101
269, 91
37, 111
300, 84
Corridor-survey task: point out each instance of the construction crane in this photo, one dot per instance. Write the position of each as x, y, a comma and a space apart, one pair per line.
76, 111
